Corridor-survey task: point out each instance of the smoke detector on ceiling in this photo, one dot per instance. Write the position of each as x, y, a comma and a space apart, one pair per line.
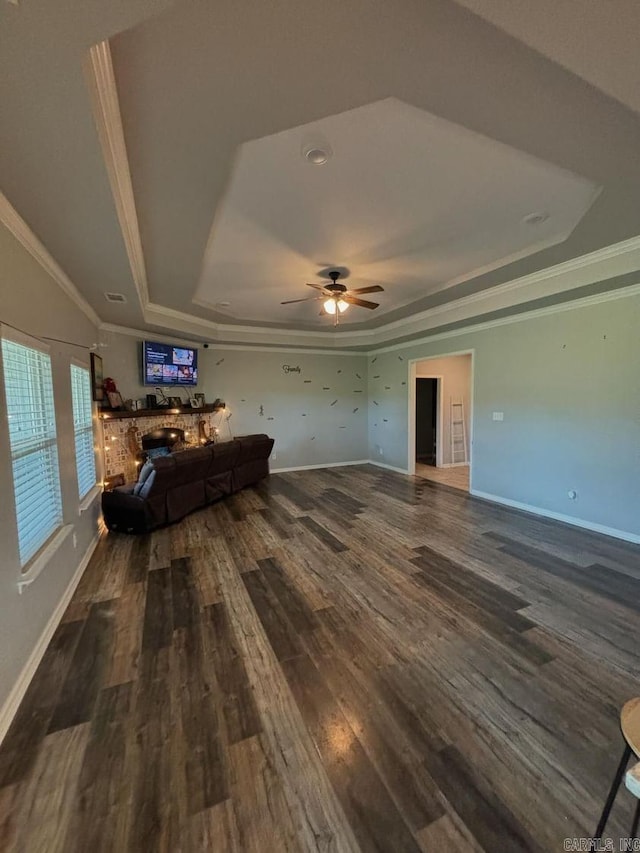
115, 297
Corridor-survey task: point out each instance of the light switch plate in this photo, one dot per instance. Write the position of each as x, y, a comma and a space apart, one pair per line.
498, 416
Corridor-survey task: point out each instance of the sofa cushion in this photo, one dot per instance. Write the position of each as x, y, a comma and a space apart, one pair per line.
187, 491
145, 471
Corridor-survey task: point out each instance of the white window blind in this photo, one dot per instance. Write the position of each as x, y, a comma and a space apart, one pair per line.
34, 451
83, 429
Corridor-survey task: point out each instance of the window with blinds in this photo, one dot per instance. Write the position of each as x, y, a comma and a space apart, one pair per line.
83, 429
34, 451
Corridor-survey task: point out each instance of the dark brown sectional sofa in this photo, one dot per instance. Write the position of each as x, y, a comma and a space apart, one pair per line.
170, 487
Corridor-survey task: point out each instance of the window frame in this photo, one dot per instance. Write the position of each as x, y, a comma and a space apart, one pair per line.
28, 559
84, 497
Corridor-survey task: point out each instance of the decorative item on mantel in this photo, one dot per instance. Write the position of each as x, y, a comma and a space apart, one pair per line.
112, 394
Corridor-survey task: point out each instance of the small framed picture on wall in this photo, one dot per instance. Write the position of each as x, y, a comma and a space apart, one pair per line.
97, 378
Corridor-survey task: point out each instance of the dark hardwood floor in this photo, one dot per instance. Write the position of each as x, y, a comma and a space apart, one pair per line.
336, 660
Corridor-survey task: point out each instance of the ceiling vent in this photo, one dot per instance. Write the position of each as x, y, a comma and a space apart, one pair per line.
115, 297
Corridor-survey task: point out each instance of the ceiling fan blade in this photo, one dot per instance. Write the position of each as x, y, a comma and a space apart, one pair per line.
317, 286
352, 300
307, 299
375, 288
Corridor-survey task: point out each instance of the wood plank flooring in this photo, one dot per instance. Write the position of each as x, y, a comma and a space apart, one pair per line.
334, 660
457, 478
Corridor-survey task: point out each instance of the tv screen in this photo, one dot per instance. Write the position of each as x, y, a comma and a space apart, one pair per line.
166, 364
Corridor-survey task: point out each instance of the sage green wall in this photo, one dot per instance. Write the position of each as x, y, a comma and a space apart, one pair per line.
569, 386
316, 416
33, 302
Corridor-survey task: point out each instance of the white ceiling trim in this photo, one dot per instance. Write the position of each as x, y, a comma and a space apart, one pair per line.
188, 324
583, 302
106, 111
145, 335
618, 259
12, 220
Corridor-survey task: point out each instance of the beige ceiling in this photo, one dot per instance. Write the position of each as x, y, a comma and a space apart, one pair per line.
596, 39
210, 95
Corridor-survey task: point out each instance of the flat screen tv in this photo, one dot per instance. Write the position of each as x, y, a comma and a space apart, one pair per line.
166, 364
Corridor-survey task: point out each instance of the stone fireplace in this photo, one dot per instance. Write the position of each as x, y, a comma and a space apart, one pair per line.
125, 437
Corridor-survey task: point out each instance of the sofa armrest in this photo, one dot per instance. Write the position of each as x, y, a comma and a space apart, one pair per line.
124, 511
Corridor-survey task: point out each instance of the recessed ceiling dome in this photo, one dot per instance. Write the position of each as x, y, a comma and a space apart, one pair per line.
316, 154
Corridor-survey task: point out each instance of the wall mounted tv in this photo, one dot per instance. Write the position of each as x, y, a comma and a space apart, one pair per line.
166, 364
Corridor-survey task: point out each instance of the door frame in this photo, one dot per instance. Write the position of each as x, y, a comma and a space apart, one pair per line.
439, 415
411, 385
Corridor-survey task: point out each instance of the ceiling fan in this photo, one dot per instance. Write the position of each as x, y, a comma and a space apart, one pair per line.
337, 298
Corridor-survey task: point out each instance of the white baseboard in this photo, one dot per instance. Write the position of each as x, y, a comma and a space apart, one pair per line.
314, 467
453, 465
15, 697
558, 516
388, 467
339, 465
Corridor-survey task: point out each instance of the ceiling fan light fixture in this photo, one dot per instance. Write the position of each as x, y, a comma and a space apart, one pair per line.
333, 304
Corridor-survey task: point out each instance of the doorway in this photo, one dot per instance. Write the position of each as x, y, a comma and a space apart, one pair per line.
426, 420
440, 440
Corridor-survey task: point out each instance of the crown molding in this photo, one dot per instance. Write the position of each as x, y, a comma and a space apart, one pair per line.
617, 259
106, 112
215, 347
472, 328
12, 220
188, 324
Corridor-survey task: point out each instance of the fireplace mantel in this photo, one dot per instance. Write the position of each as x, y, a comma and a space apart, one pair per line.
114, 415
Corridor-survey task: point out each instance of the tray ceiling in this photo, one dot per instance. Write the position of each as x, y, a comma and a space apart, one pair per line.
406, 200
445, 130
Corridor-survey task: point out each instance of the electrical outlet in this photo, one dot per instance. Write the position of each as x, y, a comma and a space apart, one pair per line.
274, 455
380, 451
74, 539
